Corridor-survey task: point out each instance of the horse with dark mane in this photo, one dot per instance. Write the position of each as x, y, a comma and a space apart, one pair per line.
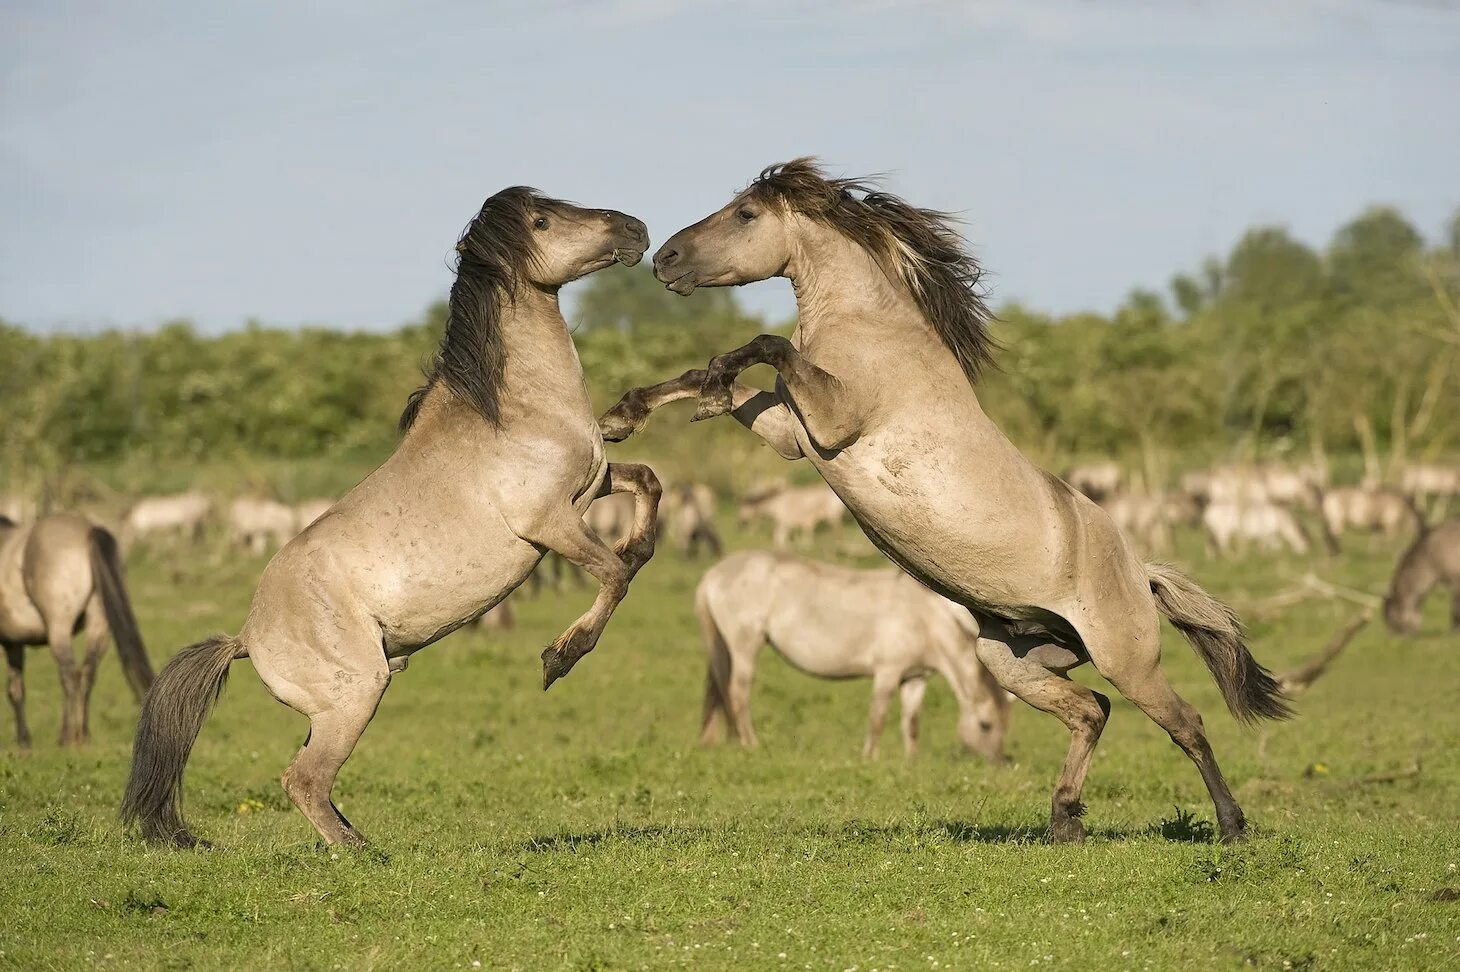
500, 457
876, 389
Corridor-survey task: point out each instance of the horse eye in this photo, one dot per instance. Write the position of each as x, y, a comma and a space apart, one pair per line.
540, 223
745, 215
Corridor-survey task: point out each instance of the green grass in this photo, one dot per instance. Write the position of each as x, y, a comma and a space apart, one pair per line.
583, 829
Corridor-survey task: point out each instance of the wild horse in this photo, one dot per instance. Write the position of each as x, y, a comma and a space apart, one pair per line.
928, 476
500, 458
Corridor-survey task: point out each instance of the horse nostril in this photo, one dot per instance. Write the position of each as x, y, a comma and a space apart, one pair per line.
636, 227
666, 258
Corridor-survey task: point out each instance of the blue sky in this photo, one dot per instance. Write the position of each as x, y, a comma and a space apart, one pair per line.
313, 162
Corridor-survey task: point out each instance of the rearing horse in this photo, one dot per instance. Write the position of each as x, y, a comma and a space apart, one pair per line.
500, 458
876, 389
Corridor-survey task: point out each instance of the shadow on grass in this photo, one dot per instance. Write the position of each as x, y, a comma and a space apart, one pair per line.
1183, 828
648, 834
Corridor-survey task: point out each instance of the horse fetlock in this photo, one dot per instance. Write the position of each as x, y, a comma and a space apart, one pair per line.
625, 418
559, 658
716, 397
1232, 825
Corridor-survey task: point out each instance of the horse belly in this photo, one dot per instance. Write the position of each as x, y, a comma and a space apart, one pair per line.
983, 547
817, 643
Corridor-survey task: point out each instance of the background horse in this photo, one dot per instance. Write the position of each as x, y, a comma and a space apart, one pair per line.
1432, 560
933, 482
500, 458
255, 523
59, 575
182, 514
842, 622
795, 512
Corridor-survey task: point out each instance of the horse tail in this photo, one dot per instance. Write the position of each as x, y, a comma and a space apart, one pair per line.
106, 574
717, 665
172, 716
1216, 634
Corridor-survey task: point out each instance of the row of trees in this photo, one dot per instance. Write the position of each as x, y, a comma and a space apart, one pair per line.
1273, 348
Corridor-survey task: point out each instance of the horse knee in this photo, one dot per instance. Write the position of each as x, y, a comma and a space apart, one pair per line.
1089, 720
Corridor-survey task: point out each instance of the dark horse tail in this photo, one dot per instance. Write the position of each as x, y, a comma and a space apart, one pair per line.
106, 573
1215, 632
172, 716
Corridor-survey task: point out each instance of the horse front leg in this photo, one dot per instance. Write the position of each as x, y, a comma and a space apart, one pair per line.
759, 411
572, 539
818, 398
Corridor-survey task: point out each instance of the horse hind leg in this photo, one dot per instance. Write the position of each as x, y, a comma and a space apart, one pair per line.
72, 704
97, 636
15, 662
1138, 677
1083, 711
333, 733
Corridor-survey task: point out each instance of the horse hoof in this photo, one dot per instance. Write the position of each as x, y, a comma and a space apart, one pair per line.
554, 667
1068, 831
711, 407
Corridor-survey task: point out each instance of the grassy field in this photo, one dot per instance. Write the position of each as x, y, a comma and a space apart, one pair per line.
583, 829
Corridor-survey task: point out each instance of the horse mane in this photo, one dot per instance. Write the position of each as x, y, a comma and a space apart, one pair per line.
493, 255
919, 247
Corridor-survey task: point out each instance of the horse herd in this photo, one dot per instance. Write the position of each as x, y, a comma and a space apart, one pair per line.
1005, 578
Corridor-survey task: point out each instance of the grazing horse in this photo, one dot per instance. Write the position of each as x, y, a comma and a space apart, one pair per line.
1376, 510
931, 480
843, 622
255, 523
1433, 559
183, 514
1231, 525
796, 511
499, 459
59, 575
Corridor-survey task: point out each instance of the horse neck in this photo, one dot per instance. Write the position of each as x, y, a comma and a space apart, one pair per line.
540, 354
846, 299
1415, 578
541, 372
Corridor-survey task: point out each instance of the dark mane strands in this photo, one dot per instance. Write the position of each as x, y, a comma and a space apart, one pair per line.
493, 254
920, 246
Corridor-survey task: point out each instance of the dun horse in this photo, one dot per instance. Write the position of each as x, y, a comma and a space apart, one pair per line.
500, 458
57, 576
1432, 560
796, 511
842, 622
929, 477
184, 514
